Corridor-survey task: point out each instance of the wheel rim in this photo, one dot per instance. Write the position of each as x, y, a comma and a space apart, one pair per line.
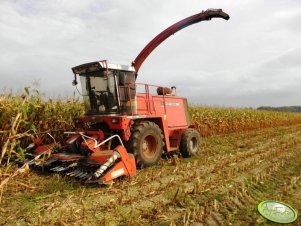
149, 146
193, 144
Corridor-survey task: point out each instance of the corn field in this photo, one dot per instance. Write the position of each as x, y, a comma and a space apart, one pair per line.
20, 114
212, 120
222, 186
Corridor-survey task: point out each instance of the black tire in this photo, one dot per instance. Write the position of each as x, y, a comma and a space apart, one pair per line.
189, 143
146, 143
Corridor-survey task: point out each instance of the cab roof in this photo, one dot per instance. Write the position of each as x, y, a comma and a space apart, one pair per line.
99, 65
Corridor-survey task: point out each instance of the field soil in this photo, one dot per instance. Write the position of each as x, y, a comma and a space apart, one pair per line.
223, 185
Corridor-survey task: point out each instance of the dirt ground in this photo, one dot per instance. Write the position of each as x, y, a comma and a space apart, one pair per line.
221, 186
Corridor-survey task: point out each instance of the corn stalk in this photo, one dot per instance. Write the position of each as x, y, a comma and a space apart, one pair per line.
11, 141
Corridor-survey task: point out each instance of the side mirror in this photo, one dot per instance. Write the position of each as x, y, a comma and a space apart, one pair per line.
74, 82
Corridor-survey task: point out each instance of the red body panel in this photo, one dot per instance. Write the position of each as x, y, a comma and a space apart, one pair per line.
169, 112
44, 148
170, 107
126, 166
101, 156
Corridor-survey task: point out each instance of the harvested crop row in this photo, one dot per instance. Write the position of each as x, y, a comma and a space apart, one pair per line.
209, 188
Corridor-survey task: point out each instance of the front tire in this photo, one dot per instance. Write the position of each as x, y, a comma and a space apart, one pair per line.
190, 143
146, 143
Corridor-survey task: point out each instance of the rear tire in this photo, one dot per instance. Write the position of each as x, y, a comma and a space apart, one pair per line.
146, 143
189, 143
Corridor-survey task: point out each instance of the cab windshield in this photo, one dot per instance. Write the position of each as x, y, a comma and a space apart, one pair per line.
99, 92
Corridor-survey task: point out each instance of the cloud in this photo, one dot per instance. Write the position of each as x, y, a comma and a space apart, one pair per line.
250, 60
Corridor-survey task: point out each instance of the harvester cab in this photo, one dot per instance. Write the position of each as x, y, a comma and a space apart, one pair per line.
122, 127
106, 88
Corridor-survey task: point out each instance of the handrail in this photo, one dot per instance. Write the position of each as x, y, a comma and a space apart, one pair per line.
96, 145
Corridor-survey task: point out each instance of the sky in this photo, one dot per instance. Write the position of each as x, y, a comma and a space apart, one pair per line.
254, 59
